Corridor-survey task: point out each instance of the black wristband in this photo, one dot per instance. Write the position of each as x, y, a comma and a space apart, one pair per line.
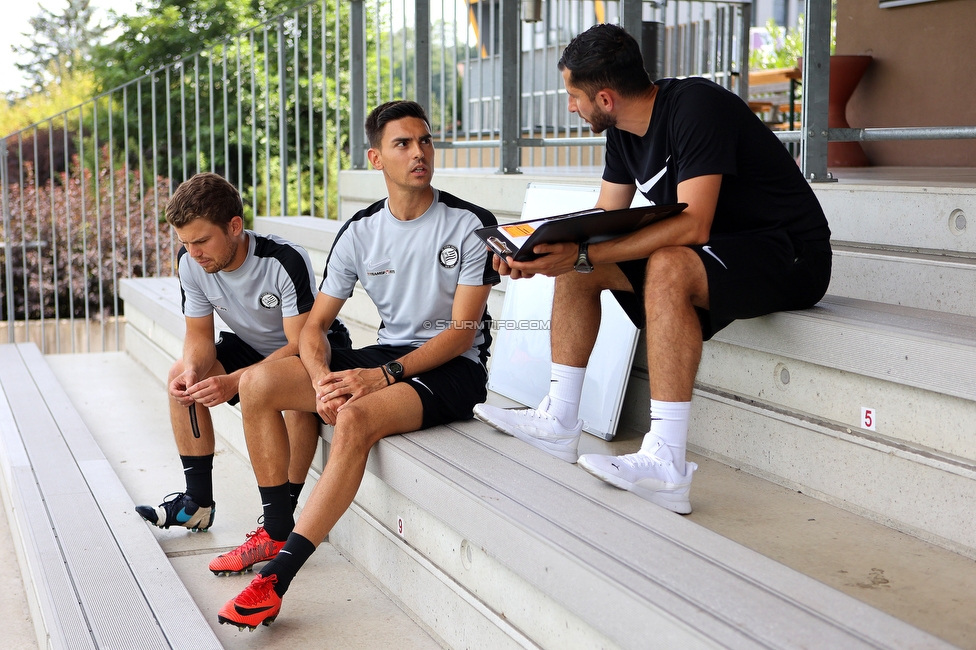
386, 375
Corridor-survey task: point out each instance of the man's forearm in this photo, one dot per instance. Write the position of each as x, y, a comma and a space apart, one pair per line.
287, 350
315, 353
437, 351
199, 356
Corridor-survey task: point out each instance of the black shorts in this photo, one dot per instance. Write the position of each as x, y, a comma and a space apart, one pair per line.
447, 393
233, 354
749, 275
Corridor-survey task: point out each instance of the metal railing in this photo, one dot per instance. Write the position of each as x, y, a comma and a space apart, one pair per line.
278, 109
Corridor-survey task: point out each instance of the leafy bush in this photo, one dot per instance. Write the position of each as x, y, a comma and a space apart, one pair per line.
70, 241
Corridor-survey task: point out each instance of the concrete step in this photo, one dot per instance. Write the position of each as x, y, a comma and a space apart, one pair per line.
775, 392
922, 217
938, 282
94, 577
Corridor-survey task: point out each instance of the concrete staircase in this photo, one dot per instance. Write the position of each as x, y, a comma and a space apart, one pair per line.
493, 545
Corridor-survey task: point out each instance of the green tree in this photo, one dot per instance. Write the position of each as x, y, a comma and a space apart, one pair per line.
161, 32
193, 57
60, 43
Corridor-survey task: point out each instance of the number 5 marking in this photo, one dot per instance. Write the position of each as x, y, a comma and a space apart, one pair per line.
869, 418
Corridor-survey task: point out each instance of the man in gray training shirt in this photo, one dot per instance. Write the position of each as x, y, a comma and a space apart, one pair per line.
263, 288
418, 258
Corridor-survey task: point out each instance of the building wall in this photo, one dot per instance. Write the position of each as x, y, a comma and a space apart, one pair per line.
924, 63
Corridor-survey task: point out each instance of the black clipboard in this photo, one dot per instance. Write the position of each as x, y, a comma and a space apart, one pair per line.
519, 238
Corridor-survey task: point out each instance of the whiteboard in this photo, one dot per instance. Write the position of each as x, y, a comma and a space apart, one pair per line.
520, 368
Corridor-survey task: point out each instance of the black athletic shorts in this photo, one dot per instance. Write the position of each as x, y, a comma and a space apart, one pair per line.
233, 353
749, 274
447, 393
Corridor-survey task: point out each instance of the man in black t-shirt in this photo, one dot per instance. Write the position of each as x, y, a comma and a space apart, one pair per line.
753, 240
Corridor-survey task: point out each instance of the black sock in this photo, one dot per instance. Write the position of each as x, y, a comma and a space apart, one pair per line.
278, 518
288, 562
295, 490
198, 471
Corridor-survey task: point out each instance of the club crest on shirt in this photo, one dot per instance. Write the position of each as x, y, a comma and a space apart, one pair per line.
270, 301
449, 256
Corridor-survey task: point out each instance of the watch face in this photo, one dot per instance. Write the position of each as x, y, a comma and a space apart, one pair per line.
395, 368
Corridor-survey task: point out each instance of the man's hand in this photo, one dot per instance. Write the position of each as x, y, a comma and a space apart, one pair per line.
212, 391
177, 387
556, 259
336, 389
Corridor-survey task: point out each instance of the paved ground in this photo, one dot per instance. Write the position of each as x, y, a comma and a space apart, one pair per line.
18, 631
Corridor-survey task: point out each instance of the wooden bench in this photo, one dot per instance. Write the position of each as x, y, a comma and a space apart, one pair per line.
772, 94
95, 576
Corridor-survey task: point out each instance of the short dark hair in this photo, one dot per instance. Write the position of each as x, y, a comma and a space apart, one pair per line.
204, 196
389, 112
605, 56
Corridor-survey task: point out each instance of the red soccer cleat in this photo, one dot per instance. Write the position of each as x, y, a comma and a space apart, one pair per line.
258, 603
259, 547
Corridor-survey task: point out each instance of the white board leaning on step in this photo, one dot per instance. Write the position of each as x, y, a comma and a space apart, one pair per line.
520, 364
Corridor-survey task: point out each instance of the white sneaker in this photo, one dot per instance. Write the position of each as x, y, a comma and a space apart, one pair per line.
536, 427
648, 476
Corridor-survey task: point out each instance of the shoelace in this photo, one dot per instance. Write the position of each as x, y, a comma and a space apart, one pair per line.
169, 504
257, 592
643, 461
175, 496
252, 541
535, 414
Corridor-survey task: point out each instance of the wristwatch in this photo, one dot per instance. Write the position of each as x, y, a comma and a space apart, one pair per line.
583, 260
395, 370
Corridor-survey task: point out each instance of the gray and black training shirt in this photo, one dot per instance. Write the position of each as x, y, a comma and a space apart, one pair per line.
275, 281
411, 269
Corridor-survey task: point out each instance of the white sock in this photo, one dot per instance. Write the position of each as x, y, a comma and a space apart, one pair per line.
565, 390
669, 423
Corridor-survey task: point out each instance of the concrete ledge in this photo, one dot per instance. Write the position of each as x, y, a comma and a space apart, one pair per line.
928, 350
95, 576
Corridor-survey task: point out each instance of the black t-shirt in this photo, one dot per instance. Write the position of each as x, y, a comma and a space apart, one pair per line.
699, 128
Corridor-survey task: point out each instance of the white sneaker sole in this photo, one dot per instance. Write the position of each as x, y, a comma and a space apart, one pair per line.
553, 449
675, 500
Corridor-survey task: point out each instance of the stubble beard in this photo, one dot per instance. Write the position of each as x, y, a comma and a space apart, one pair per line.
220, 265
600, 121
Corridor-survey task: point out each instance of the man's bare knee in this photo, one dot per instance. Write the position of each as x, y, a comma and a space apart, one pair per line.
256, 383
676, 271
175, 370
352, 435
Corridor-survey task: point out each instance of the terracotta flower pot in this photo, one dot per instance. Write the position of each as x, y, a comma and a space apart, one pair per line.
846, 71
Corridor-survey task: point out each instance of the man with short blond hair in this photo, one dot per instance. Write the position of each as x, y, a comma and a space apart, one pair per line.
263, 288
